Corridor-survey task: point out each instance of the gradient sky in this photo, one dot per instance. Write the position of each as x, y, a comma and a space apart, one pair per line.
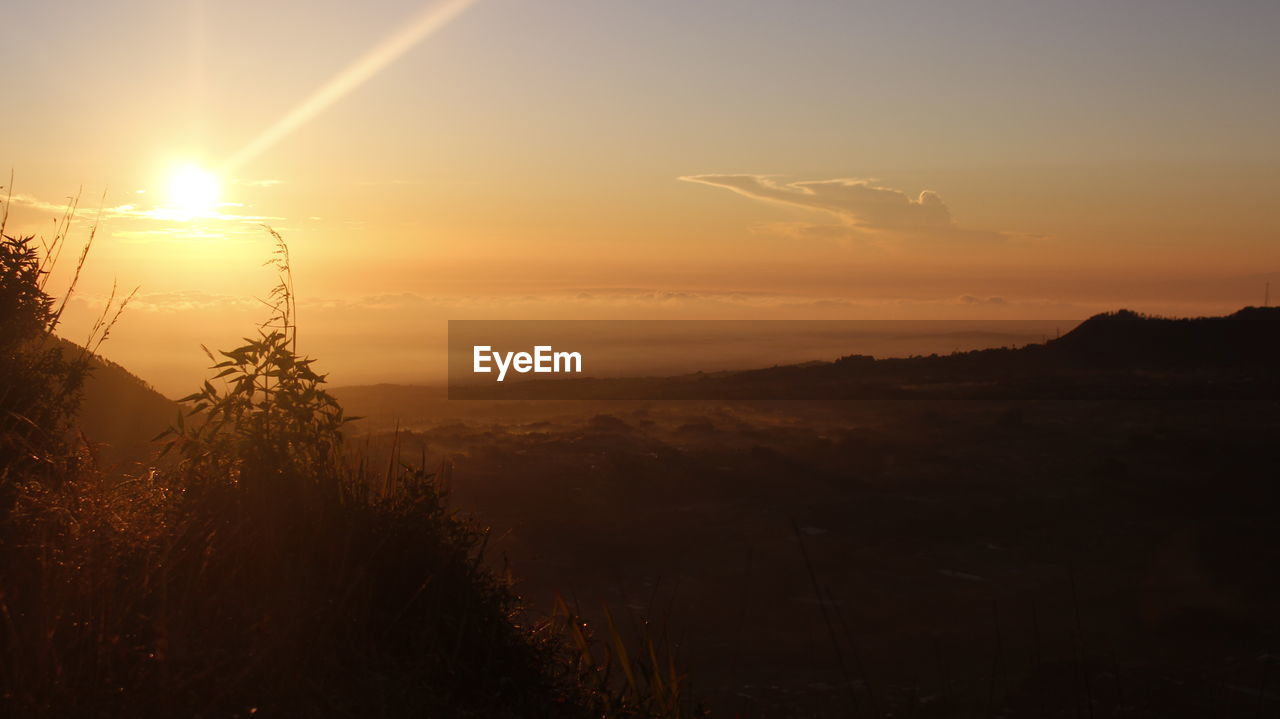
659, 159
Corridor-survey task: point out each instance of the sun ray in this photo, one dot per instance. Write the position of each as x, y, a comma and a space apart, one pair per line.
432, 18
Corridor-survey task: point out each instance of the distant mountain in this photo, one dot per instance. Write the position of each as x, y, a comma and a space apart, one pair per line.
120, 413
1246, 337
1116, 355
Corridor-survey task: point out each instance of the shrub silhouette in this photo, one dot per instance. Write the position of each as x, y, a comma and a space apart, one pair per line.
39, 387
40, 382
273, 414
314, 568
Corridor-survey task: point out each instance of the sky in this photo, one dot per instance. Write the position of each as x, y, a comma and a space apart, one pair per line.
608, 159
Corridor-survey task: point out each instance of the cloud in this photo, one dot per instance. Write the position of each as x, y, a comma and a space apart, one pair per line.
974, 300
861, 206
137, 222
42, 205
804, 231
189, 300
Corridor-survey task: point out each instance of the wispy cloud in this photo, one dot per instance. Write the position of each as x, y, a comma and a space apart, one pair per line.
139, 222
188, 300
258, 183
861, 206
35, 203
976, 300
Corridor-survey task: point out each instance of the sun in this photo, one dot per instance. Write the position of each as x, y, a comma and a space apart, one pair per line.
193, 190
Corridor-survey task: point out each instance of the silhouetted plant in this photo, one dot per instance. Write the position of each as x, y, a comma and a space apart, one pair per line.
272, 411
40, 379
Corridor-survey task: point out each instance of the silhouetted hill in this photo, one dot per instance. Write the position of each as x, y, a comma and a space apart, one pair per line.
1115, 355
1247, 337
120, 410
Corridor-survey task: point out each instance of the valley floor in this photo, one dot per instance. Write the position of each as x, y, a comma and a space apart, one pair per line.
921, 558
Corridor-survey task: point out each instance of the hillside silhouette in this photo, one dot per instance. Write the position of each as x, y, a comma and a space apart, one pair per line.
1114, 355
1249, 337
119, 412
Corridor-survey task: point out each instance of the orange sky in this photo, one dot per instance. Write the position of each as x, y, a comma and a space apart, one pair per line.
511, 159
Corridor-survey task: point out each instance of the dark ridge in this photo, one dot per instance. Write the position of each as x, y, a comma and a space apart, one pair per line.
1247, 337
120, 412
1115, 355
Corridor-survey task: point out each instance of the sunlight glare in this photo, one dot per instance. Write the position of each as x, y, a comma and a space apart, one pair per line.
193, 190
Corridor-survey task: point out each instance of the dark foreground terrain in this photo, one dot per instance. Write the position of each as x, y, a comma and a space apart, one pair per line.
919, 558
925, 557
